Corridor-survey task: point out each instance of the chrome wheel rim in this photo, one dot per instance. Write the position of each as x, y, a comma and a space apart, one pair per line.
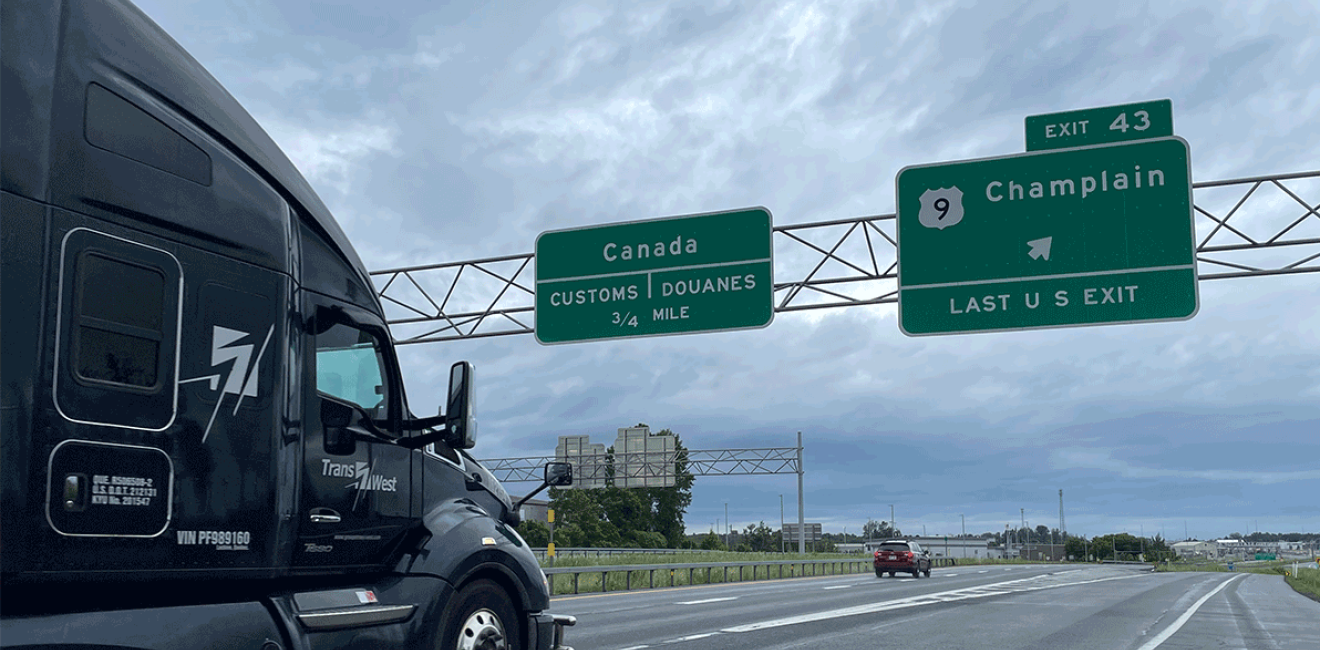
482, 631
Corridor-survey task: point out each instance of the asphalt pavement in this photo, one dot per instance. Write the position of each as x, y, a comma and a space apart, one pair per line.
1054, 607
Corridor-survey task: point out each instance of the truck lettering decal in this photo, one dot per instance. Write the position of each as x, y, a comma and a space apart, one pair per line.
363, 478
221, 540
242, 377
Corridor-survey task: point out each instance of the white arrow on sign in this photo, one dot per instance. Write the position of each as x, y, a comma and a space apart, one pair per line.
1040, 248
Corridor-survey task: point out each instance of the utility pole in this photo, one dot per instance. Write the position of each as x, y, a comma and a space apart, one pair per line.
1063, 528
892, 528
802, 517
727, 527
964, 525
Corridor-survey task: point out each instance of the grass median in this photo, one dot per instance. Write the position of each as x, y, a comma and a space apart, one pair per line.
1306, 582
590, 582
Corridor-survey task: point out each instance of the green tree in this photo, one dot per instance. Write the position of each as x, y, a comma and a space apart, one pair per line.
535, 533
760, 538
712, 542
618, 516
1075, 548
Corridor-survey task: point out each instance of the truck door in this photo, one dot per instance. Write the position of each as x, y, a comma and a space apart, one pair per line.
355, 501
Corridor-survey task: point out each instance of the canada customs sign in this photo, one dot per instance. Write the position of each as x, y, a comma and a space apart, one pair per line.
674, 275
1091, 236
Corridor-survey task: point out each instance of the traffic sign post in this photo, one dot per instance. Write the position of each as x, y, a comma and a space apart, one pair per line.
1104, 125
1093, 236
675, 275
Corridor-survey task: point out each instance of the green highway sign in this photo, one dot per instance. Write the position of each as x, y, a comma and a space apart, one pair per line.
1105, 125
675, 275
1092, 236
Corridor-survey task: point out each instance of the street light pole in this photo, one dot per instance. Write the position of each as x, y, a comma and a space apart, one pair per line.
781, 523
727, 528
964, 524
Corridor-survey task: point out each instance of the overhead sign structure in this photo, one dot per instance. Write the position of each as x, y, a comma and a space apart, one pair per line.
1093, 236
1104, 125
675, 275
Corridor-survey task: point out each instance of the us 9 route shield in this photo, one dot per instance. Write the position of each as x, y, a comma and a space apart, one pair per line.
676, 275
1092, 236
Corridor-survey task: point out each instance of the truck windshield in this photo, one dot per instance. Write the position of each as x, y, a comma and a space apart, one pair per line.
349, 366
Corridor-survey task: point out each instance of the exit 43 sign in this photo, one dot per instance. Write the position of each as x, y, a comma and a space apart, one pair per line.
1104, 125
1082, 236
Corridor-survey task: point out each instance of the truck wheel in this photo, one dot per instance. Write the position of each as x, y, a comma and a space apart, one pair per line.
879, 573
916, 573
483, 619
927, 570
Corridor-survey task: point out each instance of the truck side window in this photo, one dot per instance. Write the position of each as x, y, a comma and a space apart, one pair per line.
349, 366
119, 312
118, 345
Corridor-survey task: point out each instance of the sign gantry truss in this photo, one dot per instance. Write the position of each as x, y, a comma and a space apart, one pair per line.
1246, 227
652, 465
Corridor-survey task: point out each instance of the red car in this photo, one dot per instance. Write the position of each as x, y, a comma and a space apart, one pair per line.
897, 555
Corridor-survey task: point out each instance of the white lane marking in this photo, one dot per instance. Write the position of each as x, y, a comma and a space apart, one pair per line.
708, 600
635, 647
986, 571
967, 593
1182, 620
947, 575
839, 587
693, 637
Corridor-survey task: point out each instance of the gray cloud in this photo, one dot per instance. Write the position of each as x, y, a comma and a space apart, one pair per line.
462, 131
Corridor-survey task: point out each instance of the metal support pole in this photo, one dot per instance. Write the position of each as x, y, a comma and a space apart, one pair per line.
781, 523
802, 518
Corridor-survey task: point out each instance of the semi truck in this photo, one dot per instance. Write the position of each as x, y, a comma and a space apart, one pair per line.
204, 436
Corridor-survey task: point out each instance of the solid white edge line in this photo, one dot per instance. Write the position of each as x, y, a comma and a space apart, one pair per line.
635, 647
692, 637
708, 600
838, 587
966, 593
1182, 620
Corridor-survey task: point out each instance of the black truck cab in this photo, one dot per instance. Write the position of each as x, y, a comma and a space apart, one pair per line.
204, 437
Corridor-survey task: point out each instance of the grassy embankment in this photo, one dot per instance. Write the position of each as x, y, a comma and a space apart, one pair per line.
1306, 582
618, 581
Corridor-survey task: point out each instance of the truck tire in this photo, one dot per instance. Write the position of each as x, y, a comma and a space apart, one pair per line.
879, 573
927, 571
483, 619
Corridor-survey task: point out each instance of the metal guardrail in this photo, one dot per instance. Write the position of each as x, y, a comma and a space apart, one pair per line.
561, 551
796, 569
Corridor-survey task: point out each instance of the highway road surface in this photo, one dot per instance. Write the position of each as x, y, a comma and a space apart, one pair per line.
1002, 607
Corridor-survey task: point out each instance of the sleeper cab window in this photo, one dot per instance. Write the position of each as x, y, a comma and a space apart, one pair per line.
119, 320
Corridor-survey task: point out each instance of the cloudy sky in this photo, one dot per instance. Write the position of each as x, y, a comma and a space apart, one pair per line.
442, 132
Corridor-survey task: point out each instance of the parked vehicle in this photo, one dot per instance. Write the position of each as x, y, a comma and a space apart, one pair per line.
901, 555
206, 442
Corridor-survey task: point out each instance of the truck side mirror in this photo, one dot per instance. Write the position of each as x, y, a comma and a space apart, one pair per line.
460, 410
558, 474
335, 418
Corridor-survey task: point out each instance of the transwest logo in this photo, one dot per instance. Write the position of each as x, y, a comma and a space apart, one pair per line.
228, 348
361, 472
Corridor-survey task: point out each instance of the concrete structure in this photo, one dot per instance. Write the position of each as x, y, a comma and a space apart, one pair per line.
1196, 549
587, 458
640, 459
643, 460
973, 548
535, 510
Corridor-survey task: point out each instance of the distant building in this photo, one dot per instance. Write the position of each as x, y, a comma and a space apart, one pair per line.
1196, 549
587, 458
641, 459
535, 510
971, 547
